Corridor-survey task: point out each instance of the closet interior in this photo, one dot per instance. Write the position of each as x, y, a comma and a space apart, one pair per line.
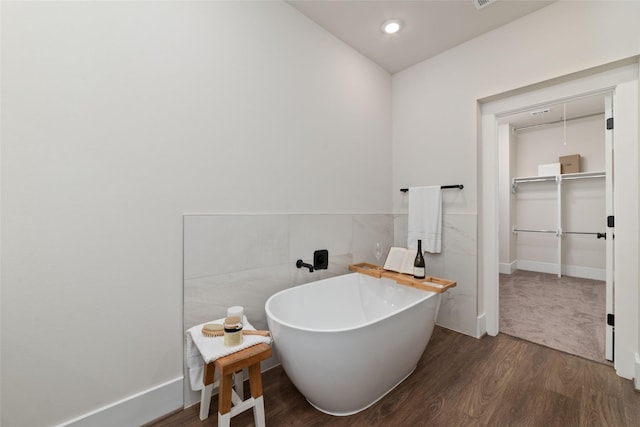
553, 193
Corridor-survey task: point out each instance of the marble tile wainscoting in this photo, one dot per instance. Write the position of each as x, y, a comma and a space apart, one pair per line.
244, 259
457, 261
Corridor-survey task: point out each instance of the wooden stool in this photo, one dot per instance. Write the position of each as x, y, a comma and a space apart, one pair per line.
227, 366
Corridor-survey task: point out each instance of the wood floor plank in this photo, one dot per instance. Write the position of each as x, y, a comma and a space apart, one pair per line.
495, 374
463, 381
553, 409
599, 409
631, 399
519, 404
563, 374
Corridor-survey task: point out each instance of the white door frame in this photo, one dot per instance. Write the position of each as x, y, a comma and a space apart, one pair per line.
609, 231
613, 80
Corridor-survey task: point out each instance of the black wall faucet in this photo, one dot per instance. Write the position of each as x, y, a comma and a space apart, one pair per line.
301, 264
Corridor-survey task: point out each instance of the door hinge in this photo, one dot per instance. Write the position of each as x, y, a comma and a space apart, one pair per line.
610, 221
611, 319
610, 123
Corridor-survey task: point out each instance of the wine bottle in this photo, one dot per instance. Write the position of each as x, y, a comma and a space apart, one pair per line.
418, 263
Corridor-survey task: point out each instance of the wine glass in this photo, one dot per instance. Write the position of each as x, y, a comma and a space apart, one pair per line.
379, 249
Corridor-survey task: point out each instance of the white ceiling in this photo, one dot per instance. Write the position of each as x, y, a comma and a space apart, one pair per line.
431, 26
555, 113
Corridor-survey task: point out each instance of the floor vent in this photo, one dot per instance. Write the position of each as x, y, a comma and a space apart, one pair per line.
479, 4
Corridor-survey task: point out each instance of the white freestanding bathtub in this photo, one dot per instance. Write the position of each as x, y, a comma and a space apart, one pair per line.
347, 341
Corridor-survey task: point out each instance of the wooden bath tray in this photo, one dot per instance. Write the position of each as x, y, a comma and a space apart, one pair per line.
429, 283
368, 269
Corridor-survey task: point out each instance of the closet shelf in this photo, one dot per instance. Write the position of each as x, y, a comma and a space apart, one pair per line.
555, 178
558, 179
579, 175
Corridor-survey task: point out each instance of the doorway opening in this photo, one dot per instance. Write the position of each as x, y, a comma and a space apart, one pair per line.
620, 80
553, 194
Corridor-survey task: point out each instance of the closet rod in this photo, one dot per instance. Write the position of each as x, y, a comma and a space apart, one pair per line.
444, 187
528, 230
534, 179
598, 235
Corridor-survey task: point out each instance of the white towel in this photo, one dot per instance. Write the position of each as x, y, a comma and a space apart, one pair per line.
202, 349
425, 218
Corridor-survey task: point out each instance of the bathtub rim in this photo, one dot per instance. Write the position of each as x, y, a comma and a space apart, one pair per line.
270, 316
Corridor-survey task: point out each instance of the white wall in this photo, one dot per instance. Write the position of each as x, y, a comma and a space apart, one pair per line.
435, 104
545, 145
507, 156
117, 118
582, 201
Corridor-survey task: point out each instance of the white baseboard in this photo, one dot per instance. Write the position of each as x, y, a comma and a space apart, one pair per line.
481, 325
585, 272
507, 267
567, 270
540, 267
135, 410
636, 379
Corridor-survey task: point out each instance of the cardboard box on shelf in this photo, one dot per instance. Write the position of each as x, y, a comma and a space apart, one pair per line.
570, 164
549, 169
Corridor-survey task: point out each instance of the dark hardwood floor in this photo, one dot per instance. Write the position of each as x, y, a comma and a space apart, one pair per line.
463, 381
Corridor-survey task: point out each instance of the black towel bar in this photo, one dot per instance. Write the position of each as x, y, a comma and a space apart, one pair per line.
444, 187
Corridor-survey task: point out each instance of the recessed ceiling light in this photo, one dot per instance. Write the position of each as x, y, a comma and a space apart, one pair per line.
391, 26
